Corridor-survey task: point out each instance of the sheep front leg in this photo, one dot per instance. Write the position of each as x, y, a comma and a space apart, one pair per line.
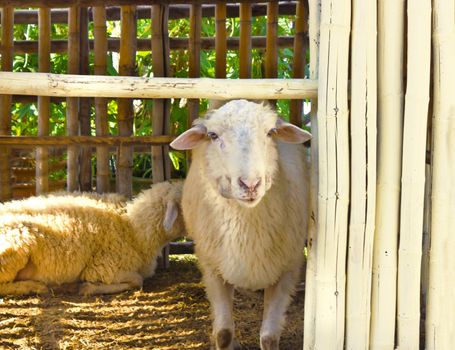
276, 301
221, 297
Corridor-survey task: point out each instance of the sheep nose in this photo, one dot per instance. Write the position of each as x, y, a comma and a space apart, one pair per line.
250, 185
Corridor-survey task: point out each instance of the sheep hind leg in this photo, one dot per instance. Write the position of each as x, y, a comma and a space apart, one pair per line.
125, 281
276, 301
221, 297
23, 288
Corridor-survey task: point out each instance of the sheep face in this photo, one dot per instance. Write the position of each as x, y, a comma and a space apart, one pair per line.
238, 141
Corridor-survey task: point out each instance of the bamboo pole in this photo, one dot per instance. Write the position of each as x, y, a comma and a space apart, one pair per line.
440, 320
85, 160
363, 174
298, 63
179, 43
5, 101
333, 127
271, 51
390, 120
245, 41
42, 165
161, 107
101, 122
194, 50
220, 40
125, 106
413, 173
309, 328
72, 103
87, 3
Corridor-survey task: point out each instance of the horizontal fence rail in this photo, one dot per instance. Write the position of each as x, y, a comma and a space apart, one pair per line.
69, 85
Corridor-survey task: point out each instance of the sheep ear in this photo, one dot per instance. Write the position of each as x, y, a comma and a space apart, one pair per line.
289, 133
191, 138
172, 211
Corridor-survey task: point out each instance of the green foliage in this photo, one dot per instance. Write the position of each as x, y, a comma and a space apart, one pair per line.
24, 116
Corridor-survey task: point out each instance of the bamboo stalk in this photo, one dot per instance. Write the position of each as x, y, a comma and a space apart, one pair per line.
49, 141
194, 50
413, 173
245, 41
207, 43
72, 103
42, 165
85, 160
390, 120
440, 320
125, 106
333, 127
161, 107
298, 64
5, 101
271, 51
363, 174
220, 40
309, 329
101, 121
88, 3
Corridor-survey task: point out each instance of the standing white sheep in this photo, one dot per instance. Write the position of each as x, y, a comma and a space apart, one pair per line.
245, 205
100, 240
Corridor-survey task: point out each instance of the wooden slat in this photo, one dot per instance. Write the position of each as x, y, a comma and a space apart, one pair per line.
101, 121
125, 106
194, 50
135, 87
85, 160
72, 104
32, 141
299, 61
245, 41
220, 40
5, 101
42, 165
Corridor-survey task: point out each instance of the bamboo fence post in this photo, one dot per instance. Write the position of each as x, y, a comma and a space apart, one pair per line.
363, 173
245, 41
333, 127
390, 120
309, 328
194, 49
298, 64
413, 173
5, 101
125, 106
271, 51
440, 320
84, 106
101, 122
220, 40
42, 154
161, 107
72, 103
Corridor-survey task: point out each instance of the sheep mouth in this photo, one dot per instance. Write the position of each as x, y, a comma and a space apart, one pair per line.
249, 201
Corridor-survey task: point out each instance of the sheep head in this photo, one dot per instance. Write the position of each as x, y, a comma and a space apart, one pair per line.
239, 145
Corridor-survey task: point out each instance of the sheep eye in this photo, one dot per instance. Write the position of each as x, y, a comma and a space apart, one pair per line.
212, 135
271, 132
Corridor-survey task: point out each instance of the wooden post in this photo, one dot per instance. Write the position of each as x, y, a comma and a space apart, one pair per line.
72, 103
195, 57
363, 173
5, 101
271, 51
440, 318
245, 41
101, 122
125, 106
220, 40
299, 61
42, 154
390, 126
333, 127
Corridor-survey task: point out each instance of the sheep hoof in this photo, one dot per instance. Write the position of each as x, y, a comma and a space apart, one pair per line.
269, 342
224, 339
86, 289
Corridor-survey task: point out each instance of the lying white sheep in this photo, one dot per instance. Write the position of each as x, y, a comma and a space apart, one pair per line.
100, 240
245, 205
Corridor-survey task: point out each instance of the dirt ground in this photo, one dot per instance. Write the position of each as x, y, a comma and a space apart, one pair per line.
171, 312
